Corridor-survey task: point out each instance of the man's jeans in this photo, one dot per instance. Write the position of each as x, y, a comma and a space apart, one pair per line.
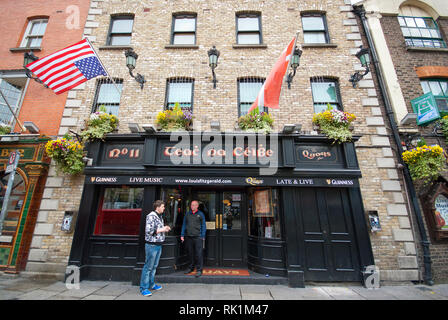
153, 253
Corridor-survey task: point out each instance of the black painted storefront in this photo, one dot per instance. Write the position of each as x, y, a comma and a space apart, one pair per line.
321, 224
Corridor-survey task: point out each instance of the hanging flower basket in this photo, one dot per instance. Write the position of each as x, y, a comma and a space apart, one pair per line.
67, 153
335, 124
174, 120
99, 124
444, 127
425, 163
255, 121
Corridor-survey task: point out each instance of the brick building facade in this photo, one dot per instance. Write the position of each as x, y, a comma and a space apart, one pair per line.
160, 60
29, 27
410, 64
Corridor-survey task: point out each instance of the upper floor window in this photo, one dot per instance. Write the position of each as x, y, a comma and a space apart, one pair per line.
120, 31
184, 29
248, 28
108, 96
12, 87
421, 32
248, 89
34, 33
439, 88
315, 28
325, 91
179, 90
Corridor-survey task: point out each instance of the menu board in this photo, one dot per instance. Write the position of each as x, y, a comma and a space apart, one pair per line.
441, 212
263, 204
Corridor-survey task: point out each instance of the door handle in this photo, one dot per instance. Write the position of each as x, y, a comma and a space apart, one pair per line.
217, 221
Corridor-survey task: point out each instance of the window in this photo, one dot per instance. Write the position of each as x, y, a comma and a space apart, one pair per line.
184, 29
248, 89
421, 32
120, 31
264, 213
248, 28
439, 89
34, 33
119, 211
107, 96
315, 28
12, 87
325, 92
180, 90
175, 207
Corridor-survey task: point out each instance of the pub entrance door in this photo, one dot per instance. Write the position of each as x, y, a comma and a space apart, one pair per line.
226, 220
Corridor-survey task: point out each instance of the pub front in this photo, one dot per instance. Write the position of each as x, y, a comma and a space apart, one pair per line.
283, 205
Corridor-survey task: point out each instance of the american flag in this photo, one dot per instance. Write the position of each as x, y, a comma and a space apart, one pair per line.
68, 67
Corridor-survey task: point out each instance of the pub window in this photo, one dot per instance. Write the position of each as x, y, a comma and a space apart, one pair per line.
315, 28
248, 89
439, 88
120, 30
421, 32
264, 213
119, 211
179, 90
325, 91
183, 29
34, 33
108, 96
248, 28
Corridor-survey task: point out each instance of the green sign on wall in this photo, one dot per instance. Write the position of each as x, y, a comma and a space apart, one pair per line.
426, 109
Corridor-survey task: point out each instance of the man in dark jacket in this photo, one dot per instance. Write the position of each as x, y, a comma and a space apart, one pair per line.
193, 232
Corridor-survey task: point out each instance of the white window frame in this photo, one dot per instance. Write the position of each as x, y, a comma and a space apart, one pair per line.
27, 35
17, 108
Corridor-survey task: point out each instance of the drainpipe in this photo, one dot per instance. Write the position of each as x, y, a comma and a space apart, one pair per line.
427, 277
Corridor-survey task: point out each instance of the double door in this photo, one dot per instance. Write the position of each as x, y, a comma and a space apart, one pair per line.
226, 216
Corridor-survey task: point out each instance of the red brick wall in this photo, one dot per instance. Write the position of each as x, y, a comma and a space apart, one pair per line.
40, 105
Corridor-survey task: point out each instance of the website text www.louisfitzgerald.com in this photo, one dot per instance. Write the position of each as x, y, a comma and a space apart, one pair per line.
204, 181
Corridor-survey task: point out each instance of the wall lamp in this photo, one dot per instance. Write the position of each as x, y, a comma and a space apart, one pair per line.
363, 56
131, 61
31, 127
29, 57
291, 128
295, 62
134, 127
213, 55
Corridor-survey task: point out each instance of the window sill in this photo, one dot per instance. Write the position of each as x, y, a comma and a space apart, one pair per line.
249, 46
25, 49
319, 45
181, 46
114, 47
426, 49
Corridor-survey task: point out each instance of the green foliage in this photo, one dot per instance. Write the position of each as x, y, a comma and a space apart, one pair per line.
175, 119
5, 129
425, 163
99, 124
67, 153
256, 122
335, 124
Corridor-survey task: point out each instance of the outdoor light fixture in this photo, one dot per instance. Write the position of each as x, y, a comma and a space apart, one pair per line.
363, 56
291, 128
213, 55
134, 127
295, 62
410, 118
149, 128
31, 127
215, 125
131, 61
29, 57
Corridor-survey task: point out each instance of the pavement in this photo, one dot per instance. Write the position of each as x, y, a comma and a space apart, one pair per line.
16, 287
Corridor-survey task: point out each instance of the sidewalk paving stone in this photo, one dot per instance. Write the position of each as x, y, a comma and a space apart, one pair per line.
341, 293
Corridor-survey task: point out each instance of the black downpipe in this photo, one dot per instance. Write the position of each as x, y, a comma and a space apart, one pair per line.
427, 277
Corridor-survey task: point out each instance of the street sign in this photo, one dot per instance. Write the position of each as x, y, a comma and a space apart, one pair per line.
12, 162
426, 109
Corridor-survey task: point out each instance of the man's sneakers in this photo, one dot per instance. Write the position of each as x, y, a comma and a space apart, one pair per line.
156, 287
146, 293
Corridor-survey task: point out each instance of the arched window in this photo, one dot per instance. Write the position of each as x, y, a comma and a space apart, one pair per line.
419, 28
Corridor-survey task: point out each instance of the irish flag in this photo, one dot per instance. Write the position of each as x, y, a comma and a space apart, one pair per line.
269, 94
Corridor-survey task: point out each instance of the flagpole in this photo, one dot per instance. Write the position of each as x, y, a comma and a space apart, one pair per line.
10, 109
104, 68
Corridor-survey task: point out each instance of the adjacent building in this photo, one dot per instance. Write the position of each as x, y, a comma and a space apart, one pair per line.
410, 40
38, 29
